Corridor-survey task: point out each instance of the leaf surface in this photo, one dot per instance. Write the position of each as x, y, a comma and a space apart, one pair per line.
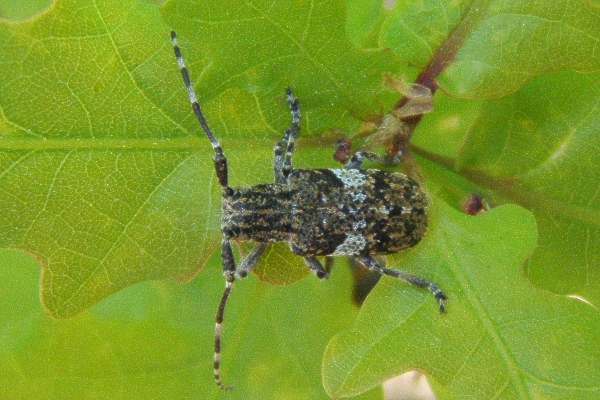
107, 182
501, 338
536, 148
154, 339
106, 177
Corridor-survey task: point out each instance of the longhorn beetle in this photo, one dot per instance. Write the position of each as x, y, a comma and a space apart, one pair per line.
318, 212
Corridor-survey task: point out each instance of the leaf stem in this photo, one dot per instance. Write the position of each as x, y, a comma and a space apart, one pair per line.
441, 59
512, 189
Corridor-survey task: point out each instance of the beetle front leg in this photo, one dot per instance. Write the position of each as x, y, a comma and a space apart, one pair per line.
356, 161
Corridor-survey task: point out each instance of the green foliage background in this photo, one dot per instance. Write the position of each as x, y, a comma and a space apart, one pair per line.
107, 186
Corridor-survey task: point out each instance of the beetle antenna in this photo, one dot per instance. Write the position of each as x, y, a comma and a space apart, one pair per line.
219, 335
220, 160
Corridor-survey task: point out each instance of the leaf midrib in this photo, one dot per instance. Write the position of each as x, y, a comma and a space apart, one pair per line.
509, 189
180, 143
486, 322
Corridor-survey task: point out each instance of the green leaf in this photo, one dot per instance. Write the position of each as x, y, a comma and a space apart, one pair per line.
20, 10
548, 162
537, 148
154, 339
416, 29
501, 338
106, 177
264, 46
492, 47
107, 182
511, 42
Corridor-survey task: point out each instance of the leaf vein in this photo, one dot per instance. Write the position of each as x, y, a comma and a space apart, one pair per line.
123, 232
486, 321
130, 75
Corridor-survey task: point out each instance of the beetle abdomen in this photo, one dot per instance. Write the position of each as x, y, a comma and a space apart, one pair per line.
355, 212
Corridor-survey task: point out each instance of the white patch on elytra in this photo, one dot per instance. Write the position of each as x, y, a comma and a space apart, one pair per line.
353, 180
352, 245
359, 196
359, 225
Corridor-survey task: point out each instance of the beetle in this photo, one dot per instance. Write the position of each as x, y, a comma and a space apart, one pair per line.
350, 211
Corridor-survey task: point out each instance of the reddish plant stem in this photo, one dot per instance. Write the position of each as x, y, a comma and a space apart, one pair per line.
442, 58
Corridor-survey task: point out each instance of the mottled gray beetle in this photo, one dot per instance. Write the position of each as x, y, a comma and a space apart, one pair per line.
319, 212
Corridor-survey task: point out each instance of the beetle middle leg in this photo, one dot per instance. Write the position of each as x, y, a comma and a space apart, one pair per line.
414, 280
284, 149
251, 260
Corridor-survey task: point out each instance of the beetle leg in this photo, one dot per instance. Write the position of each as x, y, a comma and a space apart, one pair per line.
356, 161
251, 260
284, 149
414, 280
316, 267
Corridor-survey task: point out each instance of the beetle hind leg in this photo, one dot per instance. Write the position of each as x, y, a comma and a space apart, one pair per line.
413, 280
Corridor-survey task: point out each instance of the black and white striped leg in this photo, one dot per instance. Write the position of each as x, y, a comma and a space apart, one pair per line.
220, 159
414, 280
316, 267
357, 159
251, 260
284, 149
